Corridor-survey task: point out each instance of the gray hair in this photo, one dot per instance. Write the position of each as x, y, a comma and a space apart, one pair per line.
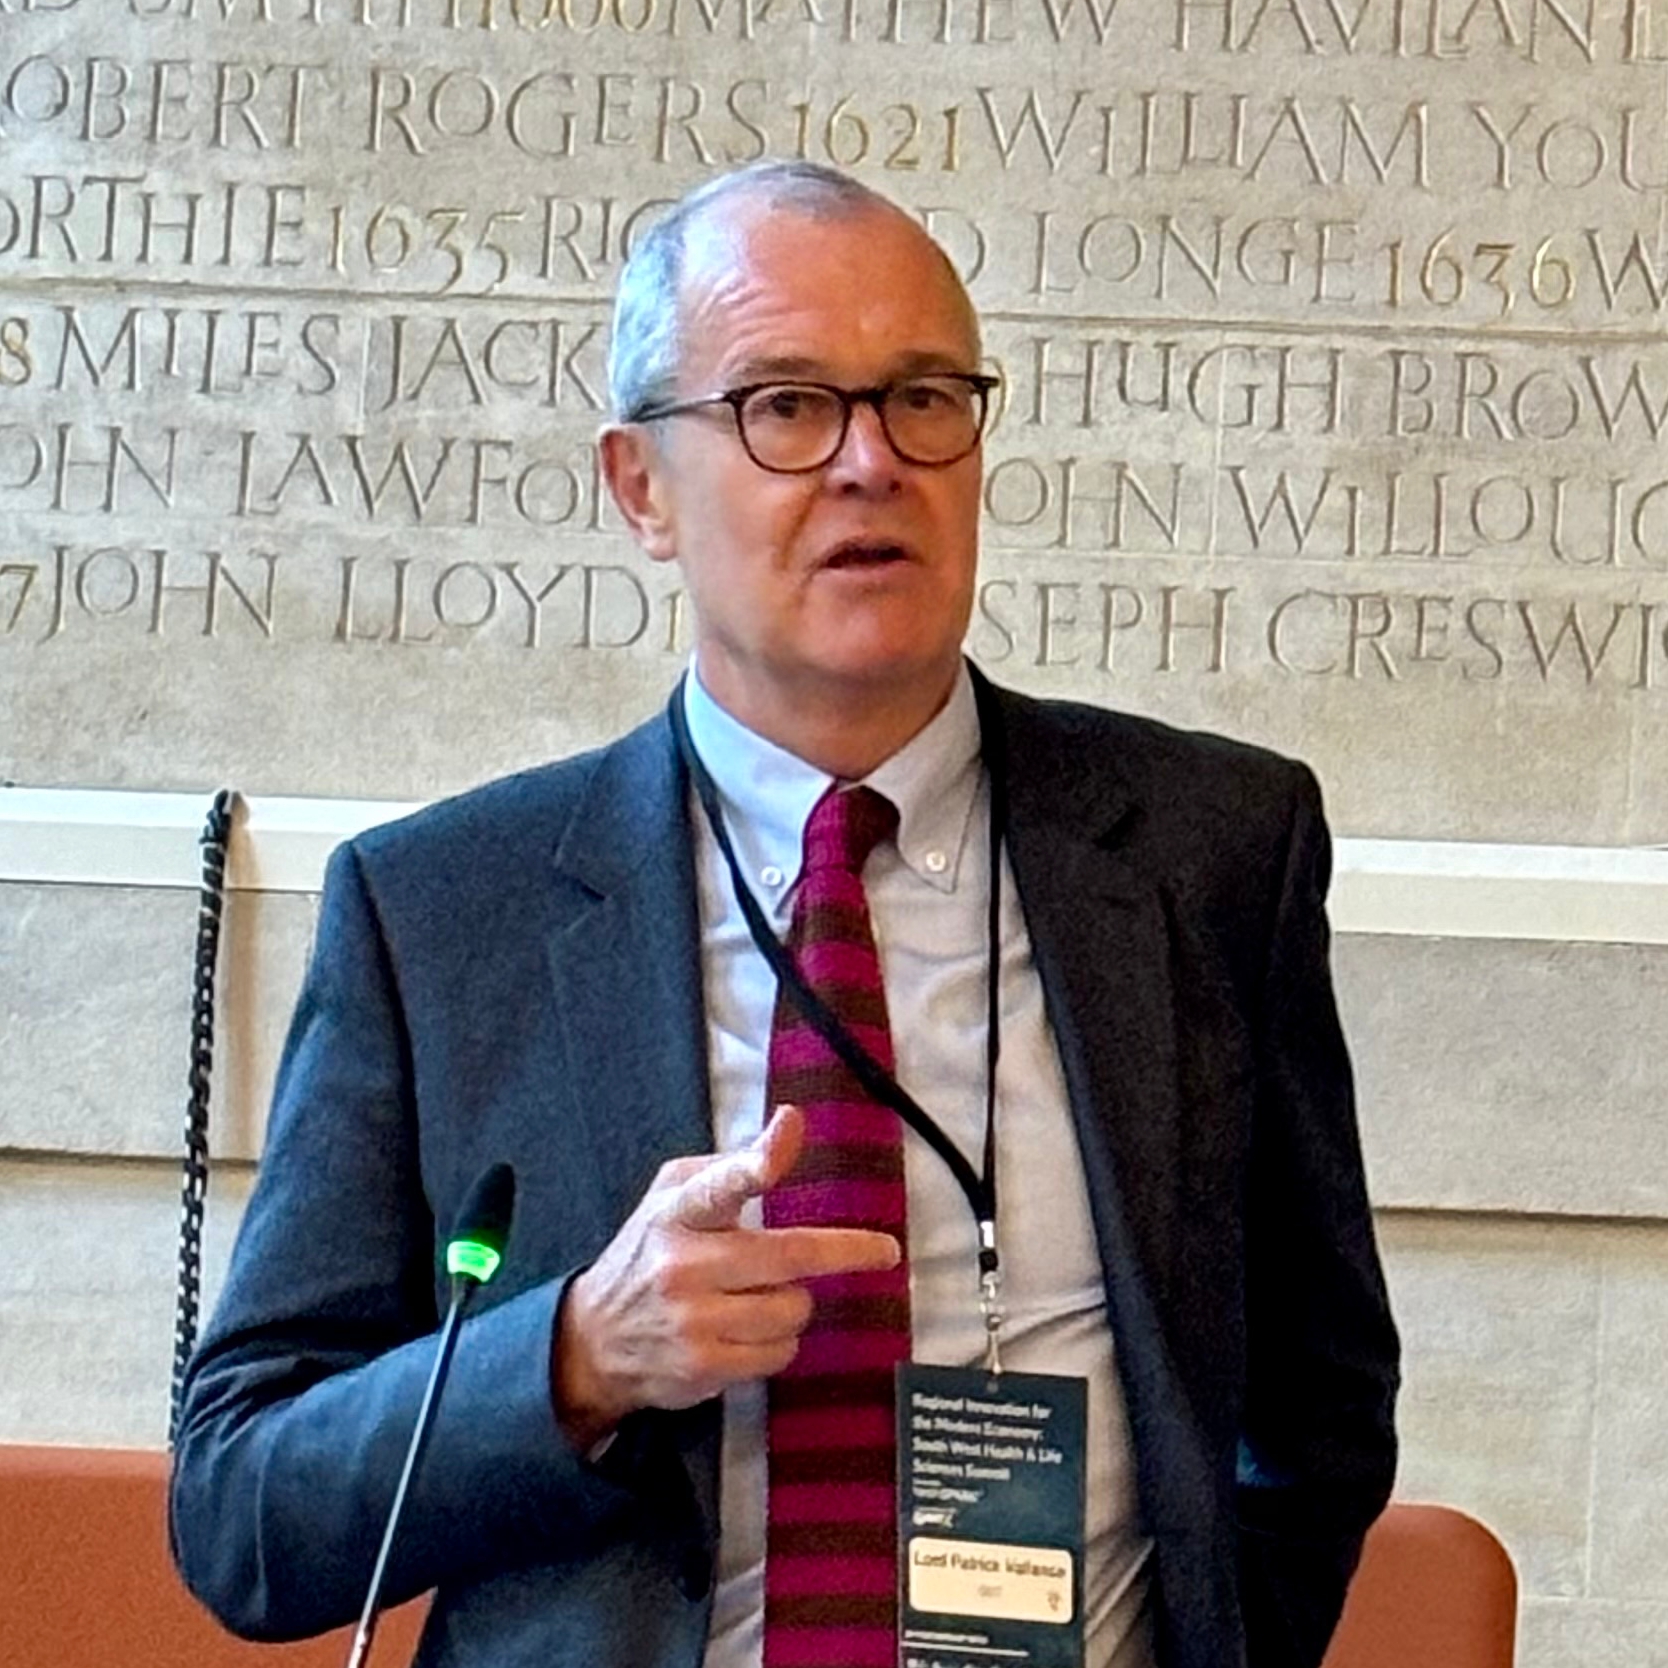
643, 349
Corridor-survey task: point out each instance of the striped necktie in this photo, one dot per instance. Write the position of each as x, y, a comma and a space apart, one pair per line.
831, 1542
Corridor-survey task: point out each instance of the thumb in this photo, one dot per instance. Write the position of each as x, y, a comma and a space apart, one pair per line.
781, 1141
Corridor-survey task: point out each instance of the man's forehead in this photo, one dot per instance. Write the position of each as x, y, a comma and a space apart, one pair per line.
797, 367
722, 234
753, 267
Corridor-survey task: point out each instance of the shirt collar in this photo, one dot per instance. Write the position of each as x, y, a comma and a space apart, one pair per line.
767, 793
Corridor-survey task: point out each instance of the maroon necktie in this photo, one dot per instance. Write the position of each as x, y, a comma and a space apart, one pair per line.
831, 1542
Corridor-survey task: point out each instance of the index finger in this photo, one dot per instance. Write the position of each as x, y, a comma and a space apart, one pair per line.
765, 1257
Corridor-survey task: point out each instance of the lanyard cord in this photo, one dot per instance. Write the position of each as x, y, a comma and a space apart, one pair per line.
877, 1082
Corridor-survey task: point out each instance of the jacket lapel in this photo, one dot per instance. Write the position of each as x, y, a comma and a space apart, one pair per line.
626, 966
1099, 932
625, 963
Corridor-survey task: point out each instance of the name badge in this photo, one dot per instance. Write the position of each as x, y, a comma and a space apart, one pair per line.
990, 1518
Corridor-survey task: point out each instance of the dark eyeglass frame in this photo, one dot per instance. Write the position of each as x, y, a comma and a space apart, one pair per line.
736, 398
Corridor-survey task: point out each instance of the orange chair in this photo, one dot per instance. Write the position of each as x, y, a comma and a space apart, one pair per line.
86, 1580
1435, 1589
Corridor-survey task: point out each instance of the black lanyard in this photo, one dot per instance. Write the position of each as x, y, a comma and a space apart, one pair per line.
875, 1079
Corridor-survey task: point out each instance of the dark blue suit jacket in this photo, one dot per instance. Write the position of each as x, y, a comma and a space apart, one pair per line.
515, 974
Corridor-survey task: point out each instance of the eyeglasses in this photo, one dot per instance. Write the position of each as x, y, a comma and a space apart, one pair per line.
791, 428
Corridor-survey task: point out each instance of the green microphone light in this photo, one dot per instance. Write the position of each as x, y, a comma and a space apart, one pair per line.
473, 1258
476, 1247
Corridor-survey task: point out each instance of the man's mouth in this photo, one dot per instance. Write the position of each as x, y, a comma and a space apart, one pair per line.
865, 553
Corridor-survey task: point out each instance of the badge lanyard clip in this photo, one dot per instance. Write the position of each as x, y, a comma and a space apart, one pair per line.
990, 1297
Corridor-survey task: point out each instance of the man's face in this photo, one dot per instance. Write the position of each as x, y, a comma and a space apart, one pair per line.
854, 580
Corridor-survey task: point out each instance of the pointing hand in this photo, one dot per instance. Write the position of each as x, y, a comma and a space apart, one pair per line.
684, 1302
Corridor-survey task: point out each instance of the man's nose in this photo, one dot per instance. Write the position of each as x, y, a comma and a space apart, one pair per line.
866, 461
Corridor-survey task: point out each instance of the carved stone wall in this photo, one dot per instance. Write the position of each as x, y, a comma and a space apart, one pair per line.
1334, 337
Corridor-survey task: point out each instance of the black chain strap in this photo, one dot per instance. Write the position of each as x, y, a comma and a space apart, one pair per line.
194, 1181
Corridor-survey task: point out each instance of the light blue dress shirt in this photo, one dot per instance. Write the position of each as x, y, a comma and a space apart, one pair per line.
928, 900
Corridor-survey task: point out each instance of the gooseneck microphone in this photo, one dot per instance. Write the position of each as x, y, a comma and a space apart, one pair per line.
473, 1254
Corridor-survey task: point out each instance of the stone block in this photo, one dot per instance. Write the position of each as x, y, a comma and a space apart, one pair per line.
1592, 1633
1500, 1325
98, 1016
87, 1280
1648, 822
1630, 1473
1506, 1075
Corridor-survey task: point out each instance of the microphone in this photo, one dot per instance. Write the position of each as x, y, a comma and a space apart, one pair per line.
473, 1253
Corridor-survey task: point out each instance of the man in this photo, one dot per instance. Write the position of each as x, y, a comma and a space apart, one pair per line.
559, 970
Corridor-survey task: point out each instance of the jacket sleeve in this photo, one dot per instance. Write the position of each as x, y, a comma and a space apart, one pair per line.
1317, 1452
301, 1399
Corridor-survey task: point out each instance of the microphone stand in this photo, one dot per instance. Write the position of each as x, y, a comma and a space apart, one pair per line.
461, 1290
472, 1258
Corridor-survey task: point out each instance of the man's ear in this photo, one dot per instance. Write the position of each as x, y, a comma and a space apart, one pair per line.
638, 477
